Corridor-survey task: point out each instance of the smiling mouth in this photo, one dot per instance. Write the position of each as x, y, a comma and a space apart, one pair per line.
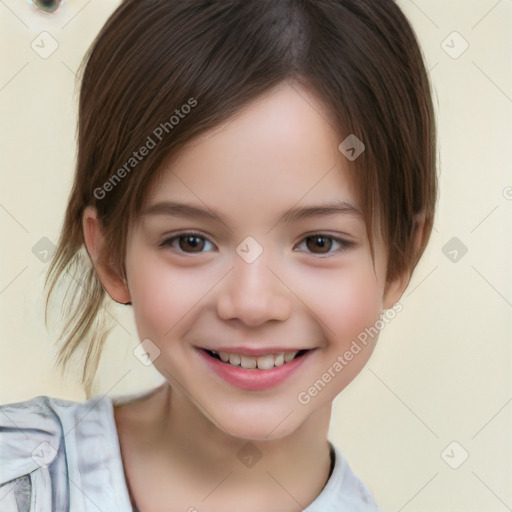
264, 362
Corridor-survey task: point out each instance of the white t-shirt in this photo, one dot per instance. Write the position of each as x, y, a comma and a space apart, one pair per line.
59, 456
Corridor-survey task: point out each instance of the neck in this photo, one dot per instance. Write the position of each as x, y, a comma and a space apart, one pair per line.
286, 473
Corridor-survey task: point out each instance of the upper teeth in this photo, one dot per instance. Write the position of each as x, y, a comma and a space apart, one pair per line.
266, 362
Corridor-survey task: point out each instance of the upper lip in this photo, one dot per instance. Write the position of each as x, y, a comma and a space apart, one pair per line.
254, 352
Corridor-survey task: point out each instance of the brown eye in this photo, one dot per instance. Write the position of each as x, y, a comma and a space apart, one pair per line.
319, 244
188, 243
323, 245
191, 243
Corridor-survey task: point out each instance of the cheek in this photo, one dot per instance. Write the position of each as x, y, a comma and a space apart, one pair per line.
358, 307
346, 301
161, 297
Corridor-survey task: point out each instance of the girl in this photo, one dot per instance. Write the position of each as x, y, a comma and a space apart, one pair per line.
256, 179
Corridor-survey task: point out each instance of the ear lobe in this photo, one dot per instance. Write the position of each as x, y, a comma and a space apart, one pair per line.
112, 282
395, 289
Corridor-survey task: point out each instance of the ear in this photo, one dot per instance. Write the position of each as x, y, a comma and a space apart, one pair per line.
396, 288
114, 284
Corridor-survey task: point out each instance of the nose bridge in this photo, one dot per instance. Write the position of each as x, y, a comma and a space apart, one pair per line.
252, 293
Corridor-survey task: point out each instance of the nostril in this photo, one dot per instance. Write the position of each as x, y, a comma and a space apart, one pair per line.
47, 6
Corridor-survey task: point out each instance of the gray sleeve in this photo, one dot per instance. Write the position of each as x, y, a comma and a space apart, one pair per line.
15, 496
22, 493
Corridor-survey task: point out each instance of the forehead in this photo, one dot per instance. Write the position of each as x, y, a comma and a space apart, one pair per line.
280, 151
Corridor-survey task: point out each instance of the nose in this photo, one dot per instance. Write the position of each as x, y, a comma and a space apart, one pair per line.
253, 294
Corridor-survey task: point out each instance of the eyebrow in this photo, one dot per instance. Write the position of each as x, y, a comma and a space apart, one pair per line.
295, 214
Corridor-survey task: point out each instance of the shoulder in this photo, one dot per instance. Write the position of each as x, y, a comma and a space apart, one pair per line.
30, 434
46, 442
344, 491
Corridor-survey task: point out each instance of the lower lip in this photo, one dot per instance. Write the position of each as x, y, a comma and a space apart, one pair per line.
253, 379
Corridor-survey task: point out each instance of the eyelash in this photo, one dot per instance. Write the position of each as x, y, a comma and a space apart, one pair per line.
343, 244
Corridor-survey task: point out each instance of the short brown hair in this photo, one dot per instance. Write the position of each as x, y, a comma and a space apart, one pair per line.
359, 57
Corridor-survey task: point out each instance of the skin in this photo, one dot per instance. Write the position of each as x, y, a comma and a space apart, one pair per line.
179, 443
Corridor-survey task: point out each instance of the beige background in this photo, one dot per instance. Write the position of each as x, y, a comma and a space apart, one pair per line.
442, 370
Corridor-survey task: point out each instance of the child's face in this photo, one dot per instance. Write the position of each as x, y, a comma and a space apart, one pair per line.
214, 290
